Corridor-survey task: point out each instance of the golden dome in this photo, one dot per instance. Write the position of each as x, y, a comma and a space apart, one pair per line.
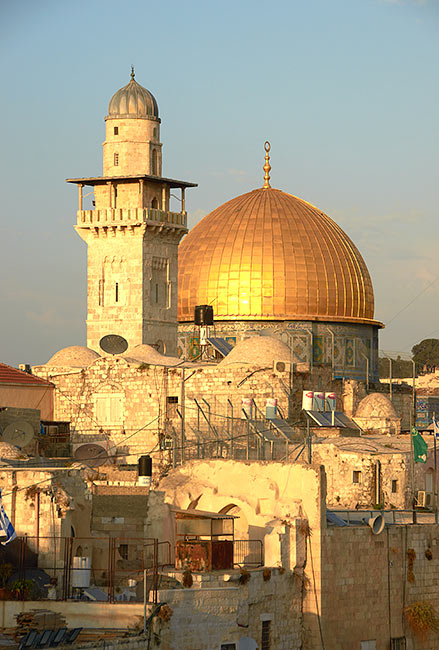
268, 255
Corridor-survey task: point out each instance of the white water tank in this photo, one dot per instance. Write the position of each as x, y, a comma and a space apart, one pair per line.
81, 572
307, 400
247, 406
330, 401
319, 401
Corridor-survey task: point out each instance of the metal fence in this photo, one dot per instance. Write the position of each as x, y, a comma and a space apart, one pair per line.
248, 552
353, 517
107, 569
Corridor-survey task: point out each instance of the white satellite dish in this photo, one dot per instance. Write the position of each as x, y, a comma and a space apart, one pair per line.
18, 433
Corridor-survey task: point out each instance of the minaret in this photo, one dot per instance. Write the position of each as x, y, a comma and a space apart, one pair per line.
131, 235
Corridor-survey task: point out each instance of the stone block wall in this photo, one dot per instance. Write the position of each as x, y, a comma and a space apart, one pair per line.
203, 619
134, 142
368, 581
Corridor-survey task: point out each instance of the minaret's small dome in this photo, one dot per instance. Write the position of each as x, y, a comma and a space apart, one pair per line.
133, 100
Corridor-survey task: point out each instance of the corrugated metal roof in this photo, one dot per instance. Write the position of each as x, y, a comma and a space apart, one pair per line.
10, 375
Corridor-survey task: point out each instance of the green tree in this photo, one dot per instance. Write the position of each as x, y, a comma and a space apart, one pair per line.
426, 353
401, 368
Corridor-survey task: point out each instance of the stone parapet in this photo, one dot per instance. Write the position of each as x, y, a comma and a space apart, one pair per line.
129, 216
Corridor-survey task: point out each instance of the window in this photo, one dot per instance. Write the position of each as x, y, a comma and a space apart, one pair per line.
156, 292
171, 406
154, 203
123, 551
116, 294
369, 645
228, 646
109, 408
398, 644
154, 132
116, 159
265, 638
154, 162
356, 476
116, 130
394, 486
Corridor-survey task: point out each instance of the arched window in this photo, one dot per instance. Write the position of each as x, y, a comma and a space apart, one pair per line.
154, 203
154, 162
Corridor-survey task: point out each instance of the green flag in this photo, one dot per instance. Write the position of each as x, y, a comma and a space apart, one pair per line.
420, 447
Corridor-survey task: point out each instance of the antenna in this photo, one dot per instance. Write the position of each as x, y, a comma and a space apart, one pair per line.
113, 344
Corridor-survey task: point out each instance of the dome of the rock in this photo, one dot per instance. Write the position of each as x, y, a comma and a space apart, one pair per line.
268, 255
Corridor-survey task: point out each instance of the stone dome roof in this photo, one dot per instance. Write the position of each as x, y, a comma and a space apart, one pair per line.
147, 354
133, 100
376, 405
268, 255
10, 451
75, 356
257, 351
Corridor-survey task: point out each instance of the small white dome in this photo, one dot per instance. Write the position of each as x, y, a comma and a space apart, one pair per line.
258, 351
75, 356
376, 405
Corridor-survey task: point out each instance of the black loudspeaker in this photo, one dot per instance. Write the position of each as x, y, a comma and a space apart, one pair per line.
203, 315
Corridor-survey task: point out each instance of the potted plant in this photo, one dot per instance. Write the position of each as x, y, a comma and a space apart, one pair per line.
5, 574
20, 589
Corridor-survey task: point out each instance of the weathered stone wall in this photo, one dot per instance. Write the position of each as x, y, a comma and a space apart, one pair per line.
366, 584
351, 476
43, 503
203, 619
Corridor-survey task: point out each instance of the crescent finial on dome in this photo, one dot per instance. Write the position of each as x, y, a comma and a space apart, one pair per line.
132, 73
267, 166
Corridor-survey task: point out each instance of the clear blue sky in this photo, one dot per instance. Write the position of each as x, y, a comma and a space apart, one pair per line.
345, 90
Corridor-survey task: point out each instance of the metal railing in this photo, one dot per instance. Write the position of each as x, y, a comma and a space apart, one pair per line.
248, 552
44, 568
354, 517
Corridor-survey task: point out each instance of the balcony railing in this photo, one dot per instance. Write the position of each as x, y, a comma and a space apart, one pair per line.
129, 216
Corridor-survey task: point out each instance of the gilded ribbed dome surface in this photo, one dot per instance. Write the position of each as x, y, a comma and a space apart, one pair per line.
268, 255
133, 100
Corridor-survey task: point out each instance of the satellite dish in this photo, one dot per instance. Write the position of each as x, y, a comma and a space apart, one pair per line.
113, 344
18, 433
91, 454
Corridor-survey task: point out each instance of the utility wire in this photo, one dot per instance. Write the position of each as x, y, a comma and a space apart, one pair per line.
413, 300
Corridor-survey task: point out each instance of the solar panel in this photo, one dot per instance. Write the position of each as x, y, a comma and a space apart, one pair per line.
284, 429
332, 419
221, 345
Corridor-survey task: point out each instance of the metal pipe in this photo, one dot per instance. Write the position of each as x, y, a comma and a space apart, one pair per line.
182, 421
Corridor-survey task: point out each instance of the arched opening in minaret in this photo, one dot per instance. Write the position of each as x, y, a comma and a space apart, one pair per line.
154, 162
154, 203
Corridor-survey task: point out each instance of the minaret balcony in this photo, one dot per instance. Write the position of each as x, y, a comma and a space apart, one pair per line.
129, 217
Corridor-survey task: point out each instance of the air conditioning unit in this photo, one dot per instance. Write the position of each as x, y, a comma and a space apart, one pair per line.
421, 498
281, 367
